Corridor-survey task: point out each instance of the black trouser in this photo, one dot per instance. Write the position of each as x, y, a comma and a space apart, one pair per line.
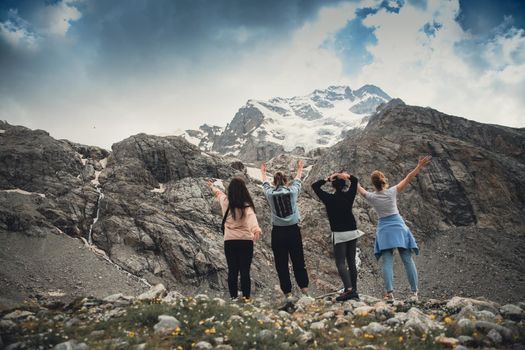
345, 253
286, 241
239, 254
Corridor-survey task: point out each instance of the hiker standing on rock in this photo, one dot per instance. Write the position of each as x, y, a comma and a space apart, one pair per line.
286, 234
343, 226
240, 229
392, 232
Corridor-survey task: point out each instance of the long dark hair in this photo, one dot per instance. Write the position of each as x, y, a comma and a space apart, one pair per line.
239, 197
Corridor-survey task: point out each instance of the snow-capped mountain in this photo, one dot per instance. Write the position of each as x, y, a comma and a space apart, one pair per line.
262, 129
203, 137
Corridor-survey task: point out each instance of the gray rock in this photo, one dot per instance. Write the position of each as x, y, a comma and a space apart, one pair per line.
486, 327
305, 301
15, 346
460, 347
71, 345
306, 338
72, 322
467, 340
203, 345
416, 321
512, 312
318, 325
223, 347
17, 315
6, 325
265, 334
156, 292
494, 337
375, 328
464, 326
166, 324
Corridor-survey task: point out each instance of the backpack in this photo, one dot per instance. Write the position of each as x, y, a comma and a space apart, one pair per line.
224, 220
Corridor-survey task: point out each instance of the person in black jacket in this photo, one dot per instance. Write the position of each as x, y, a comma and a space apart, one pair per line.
343, 226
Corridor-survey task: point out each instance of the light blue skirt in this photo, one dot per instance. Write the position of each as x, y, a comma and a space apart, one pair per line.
392, 232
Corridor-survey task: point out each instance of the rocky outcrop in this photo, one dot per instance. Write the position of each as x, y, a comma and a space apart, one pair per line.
465, 208
203, 322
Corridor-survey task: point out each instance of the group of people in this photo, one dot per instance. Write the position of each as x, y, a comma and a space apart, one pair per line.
241, 229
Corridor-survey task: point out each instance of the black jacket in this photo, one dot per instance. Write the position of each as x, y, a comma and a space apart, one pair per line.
338, 205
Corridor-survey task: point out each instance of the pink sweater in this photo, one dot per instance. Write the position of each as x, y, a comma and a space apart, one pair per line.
243, 229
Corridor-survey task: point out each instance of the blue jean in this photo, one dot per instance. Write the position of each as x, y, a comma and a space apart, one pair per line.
388, 268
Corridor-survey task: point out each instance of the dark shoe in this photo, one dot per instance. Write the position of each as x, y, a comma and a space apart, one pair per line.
347, 295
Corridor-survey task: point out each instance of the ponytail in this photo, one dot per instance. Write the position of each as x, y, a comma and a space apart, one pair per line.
379, 180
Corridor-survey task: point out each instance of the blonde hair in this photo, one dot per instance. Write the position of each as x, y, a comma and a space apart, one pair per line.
379, 180
280, 179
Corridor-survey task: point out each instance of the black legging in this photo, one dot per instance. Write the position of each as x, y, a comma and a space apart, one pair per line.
345, 253
287, 242
239, 254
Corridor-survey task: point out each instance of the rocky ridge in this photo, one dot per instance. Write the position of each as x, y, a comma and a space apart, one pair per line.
159, 319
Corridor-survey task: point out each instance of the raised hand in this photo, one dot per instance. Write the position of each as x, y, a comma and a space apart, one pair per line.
263, 172
423, 161
210, 184
300, 164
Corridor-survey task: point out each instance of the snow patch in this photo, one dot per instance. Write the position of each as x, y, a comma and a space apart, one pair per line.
161, 189
18, 190
95, 181
254, 173
219, 184
104, 163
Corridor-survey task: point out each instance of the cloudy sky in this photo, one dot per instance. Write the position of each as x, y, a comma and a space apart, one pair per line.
97, 71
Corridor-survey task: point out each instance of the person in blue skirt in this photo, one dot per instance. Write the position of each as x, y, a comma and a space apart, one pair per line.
392, 232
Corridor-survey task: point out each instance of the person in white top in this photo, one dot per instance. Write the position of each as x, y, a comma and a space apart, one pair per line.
392, 232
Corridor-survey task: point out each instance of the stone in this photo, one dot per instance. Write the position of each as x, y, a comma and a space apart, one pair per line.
375, 328
6, 325
512, 312
446, 341
458, 303
417, 321
464, 326
72, 322
486, 327
494, 337
306, 338
341, 321
318, 325
203, 345
460, 347
223, 347
305, 301
467, 340
172, 297
166, 324
219, 301
202, 297
71, 345
118, 299
156, 292
265, 334
328, 315
363, 310
17, 315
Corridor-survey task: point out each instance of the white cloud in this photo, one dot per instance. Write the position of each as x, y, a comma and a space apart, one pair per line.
15, 31
429, 70
56, 19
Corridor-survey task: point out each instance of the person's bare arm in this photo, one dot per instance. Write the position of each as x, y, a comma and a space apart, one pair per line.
361, 190
263, 172
300, 165
404, 183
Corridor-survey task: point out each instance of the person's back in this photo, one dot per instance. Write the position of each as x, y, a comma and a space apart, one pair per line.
384, 202
283, 203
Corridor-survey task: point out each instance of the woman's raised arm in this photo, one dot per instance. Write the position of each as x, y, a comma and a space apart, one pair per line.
403, 183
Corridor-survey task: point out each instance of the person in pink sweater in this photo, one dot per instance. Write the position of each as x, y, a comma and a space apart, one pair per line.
241, 229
